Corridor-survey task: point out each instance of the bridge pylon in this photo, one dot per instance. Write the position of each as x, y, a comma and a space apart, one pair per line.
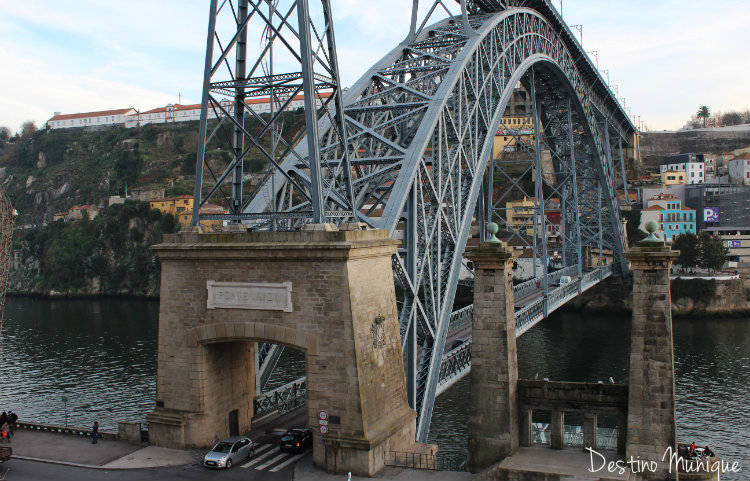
329, 293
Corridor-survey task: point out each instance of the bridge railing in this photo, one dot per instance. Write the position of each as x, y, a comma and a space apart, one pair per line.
529, 315
455, 365
561, 295
282, 399
461, 317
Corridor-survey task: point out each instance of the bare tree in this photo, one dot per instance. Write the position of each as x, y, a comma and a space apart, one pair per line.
27, 129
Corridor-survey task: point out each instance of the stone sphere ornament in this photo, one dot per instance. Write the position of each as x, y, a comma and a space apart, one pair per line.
492, 228
652, 227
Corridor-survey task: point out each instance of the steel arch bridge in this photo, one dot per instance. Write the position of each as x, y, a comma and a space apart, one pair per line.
409, 148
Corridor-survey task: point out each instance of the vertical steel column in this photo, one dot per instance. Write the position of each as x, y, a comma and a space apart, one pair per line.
204, 114
339, 105
490, 183
622, 168
272, 104
238, 140
579, 255
311, 120
539, 190
410, 343
601, 233
608, 154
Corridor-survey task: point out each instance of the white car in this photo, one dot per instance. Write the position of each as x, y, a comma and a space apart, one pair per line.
229, 451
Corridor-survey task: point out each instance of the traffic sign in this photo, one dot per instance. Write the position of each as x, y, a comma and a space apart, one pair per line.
323, 429
323, 415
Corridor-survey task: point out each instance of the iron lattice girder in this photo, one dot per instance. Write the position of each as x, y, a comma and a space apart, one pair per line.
421, 124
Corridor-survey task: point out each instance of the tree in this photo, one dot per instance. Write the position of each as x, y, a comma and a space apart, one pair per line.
27, 129
713, 251
4, 134
688, 245
704, 113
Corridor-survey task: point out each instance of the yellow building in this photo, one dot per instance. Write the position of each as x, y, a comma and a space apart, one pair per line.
174, 206
672, 177
519, 214
514, 129
186, 216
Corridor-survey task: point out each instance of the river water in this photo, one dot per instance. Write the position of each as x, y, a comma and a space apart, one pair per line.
101, 356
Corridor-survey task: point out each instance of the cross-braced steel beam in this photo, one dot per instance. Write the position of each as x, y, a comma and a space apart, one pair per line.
408, 151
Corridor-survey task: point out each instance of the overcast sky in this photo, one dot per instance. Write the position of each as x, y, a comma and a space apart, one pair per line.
667, 57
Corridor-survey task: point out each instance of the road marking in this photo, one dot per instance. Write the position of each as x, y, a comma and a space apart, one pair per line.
277, 458
257, 459
289, 461
263, 447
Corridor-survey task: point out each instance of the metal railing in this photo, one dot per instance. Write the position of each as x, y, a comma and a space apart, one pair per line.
455, 365
73, 431
461, 317
282, 399
433, 462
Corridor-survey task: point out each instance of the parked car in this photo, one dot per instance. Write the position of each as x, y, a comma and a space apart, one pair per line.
229, 451
296, 440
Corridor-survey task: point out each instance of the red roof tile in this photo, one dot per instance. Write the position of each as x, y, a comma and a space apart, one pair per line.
90, 114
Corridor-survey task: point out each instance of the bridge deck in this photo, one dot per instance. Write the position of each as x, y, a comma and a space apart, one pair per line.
531, 307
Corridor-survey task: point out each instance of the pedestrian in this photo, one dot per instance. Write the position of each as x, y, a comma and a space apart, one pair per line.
95, 432
12, 418
5, 430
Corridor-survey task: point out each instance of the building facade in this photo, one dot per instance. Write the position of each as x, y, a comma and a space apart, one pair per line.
739, 171
103, 118
674, 219
693, 165
720, 206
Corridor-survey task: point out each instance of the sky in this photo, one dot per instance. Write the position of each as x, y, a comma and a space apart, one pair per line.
666, 57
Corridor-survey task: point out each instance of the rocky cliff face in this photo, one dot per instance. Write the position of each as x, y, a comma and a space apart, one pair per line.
700, 140
732, 297
109, 255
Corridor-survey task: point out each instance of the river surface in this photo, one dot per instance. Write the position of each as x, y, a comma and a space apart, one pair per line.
101, 356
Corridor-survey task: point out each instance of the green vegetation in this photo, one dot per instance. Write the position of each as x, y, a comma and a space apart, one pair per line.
107, 255
633, 218
51, 171
706, 251
699, 290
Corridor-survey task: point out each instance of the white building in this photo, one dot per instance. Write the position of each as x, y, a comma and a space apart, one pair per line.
694, 171
739, 171
88, 119
186, 113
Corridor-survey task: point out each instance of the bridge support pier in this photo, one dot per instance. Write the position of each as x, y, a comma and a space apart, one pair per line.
326, 292
651, 424
493, 423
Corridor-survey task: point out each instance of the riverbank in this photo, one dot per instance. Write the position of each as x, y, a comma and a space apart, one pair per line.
728, 297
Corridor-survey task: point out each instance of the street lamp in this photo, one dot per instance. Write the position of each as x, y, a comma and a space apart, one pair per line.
595, 53
580, 31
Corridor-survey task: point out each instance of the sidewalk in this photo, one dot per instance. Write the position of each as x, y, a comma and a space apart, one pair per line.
106, 454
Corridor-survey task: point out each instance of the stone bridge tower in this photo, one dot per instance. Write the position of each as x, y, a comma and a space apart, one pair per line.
328, 293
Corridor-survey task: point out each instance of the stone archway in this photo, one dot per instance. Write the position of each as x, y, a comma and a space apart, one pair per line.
328, 293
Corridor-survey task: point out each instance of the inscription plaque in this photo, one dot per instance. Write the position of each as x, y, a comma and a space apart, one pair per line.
249, 295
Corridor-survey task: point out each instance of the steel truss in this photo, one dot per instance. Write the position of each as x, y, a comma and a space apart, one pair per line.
409, 153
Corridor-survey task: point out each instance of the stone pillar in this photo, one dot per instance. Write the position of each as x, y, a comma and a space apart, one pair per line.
557, 429
589, 430
326, 292
525, 432
493, 423
651, 427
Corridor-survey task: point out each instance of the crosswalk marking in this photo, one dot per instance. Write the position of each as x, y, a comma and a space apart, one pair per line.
264, 466
262, 448
288, 462
257, 459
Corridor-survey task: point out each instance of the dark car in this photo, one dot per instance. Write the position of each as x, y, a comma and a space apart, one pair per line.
296, 440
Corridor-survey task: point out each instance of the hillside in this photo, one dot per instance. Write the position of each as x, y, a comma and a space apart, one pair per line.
109, 255
53, 171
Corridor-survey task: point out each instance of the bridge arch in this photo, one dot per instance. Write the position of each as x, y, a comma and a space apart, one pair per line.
218, 332
419, 126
